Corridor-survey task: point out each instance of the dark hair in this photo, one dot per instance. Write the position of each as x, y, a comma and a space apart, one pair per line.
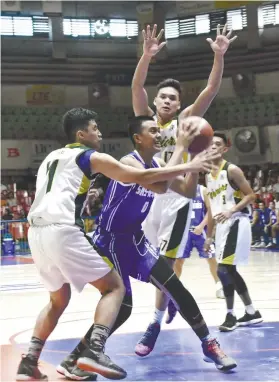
170, 82
223, 137
135, 125
77, 119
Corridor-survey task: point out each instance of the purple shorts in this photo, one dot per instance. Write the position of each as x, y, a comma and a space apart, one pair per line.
131, 254
197, 241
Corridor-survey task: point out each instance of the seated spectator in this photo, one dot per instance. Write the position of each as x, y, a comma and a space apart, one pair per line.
7, 215
268, 228
260, 220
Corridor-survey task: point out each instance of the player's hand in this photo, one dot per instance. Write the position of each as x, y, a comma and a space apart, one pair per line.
202, 162
187, 131
198, 230
151, 43
223, 216
94, 193
206, 246
222, 42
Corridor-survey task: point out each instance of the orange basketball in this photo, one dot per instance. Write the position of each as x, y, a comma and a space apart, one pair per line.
203, 140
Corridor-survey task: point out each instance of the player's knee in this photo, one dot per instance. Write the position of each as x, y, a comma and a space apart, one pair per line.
112, 282
225, 273
60, 299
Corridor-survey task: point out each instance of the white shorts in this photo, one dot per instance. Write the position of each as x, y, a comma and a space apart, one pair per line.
233, 240
62, 254
168, 222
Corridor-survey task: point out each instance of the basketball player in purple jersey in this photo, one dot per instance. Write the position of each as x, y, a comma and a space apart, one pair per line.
167, 224
201, 222
120, 240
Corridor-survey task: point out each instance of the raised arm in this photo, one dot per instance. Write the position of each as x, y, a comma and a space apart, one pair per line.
219, 47
151, 47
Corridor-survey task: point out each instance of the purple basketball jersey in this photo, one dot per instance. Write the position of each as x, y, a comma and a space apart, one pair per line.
273, 217
126, 206
199, 209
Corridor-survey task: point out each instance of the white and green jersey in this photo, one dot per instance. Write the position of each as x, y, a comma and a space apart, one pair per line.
169, 137
61, 187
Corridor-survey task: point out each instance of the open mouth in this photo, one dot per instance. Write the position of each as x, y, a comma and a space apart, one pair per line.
166, 108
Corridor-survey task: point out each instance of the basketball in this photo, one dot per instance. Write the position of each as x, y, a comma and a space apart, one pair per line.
203, 140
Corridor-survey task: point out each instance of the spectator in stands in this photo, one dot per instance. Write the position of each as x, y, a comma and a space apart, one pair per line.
11, 201
272, 222
260, 220
276, 192
7, 215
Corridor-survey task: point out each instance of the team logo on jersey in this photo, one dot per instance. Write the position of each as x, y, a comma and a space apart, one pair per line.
213, 194
141, 191
168, 142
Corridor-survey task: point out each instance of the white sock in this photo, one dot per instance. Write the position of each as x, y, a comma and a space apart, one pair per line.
274, 240
230, 311
250, 309
219, 285
158, 316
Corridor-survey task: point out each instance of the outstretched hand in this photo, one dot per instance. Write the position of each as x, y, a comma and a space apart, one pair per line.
223, 41
151, 43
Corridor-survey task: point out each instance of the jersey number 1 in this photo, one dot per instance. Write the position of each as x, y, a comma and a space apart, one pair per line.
224, 199
51, 168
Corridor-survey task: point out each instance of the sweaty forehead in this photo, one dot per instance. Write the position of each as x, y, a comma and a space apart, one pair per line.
168, 91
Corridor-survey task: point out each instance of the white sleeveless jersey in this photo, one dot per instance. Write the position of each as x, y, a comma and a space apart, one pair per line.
61, 188
222, 193
169, 137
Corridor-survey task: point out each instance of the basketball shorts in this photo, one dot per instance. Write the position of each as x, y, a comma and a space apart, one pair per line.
233, 240
63, 254
167, 224
197, 241
131, 254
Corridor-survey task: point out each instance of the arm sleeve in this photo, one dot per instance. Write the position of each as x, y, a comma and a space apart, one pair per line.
83, 162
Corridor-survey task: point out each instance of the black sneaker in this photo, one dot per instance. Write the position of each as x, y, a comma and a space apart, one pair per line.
100, 363
28, 371
68, 367
229, 324
250, 319
213, 353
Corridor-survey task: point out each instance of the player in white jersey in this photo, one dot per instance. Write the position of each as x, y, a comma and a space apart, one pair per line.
62, 253
230, 197
168, 221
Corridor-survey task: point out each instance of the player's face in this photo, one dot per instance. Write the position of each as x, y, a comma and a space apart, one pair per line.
167, 102
150, 137
219, 145
92, 136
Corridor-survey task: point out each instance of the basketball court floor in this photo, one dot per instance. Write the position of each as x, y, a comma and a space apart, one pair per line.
177, 355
